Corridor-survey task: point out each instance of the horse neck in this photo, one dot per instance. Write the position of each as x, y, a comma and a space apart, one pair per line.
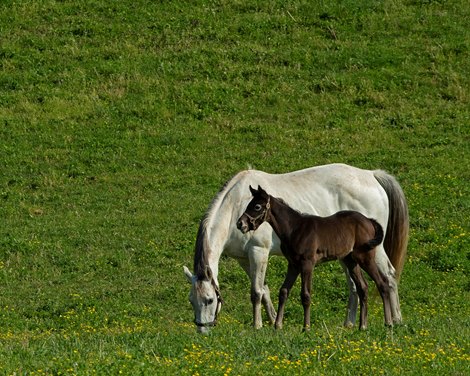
202, 253
282, 218
214, 230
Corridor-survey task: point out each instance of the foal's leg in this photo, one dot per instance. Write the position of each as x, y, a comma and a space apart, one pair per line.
291, 276
362, 288
367, 262
305, 295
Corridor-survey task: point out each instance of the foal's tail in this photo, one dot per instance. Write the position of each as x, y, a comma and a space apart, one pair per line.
379, 234
396, 238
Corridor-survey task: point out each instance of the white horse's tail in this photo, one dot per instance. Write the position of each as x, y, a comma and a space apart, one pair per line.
396, 238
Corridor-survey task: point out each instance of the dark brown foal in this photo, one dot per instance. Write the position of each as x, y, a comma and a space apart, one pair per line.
307, 240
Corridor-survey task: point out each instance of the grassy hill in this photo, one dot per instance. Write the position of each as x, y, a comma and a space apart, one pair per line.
120, 120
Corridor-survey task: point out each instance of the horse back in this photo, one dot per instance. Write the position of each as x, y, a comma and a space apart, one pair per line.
317, 190
344, 231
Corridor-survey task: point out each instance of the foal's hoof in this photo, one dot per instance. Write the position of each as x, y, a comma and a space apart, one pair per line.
306, 329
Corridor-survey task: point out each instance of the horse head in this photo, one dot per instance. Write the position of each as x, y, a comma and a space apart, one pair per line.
205, 299
256, 212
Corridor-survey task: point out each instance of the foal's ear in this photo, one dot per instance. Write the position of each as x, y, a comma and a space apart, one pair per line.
188, 274
253, 191
261, 190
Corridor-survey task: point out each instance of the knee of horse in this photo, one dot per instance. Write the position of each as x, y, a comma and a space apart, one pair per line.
364, 295
256, 296
306, 299
283, 294
384, 289
362, 289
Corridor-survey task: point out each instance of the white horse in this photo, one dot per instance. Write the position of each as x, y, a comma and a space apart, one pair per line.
322, 190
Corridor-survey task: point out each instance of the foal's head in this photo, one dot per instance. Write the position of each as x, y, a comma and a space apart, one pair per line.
256, 212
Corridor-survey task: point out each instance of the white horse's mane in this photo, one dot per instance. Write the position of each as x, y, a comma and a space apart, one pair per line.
202, 246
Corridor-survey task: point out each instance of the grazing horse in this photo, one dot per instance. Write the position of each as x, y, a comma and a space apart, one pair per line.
321, 190
307, 240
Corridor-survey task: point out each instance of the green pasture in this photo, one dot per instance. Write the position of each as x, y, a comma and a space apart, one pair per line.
120, 121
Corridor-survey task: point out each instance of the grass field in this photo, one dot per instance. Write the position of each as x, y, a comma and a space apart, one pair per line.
119, 122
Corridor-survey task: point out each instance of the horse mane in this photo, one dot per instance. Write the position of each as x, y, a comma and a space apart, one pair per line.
200, 259
282, 201
202, 248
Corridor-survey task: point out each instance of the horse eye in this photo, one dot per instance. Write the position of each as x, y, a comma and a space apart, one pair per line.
210, 301
257, 207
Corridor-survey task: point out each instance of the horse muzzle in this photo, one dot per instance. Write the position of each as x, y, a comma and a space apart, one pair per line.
243, 224
206, 327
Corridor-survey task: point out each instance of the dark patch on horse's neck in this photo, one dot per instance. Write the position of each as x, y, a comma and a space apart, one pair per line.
202, 249
200, 253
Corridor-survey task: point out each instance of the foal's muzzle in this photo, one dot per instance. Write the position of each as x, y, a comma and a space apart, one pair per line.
243, 224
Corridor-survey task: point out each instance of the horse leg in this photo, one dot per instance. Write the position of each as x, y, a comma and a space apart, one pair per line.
387, 274
256, 266
266, 296
305, 295
362, 288
245, 264
268, 304
368, 264
291, 276
351, 310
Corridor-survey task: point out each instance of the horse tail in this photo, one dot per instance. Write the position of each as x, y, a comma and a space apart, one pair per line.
396, 238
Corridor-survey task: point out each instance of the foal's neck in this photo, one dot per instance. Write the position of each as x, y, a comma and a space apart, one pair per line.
282, 218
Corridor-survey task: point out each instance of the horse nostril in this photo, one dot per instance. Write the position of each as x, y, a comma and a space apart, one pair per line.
242, 226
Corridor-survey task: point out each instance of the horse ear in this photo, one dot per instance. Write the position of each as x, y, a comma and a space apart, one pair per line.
252, 190
188, 274
261, 190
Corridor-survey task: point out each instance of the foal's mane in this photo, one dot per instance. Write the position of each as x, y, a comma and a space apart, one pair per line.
282, 201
